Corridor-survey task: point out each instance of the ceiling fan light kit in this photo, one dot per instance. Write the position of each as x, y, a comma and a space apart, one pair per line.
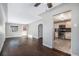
49, 5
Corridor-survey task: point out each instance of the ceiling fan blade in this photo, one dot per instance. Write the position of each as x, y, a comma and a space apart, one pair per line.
49, 5
37, 4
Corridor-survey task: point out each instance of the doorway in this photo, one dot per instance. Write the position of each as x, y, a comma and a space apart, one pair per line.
62, 32
40, 32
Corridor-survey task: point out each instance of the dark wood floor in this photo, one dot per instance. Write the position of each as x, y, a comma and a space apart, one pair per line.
28, 47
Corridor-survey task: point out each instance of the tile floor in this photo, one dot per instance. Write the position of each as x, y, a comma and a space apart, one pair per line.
63, 45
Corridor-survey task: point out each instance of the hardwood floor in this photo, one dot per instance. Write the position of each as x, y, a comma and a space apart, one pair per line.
28, 47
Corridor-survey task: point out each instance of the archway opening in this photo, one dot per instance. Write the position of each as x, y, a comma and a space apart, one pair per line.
40, 33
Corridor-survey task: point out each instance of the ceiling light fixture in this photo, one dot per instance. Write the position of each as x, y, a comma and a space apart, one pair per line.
62, 16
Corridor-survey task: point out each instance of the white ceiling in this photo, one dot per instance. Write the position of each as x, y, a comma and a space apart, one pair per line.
25, 12
63, 16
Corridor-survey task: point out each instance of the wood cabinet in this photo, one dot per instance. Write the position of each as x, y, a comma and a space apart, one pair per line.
67, 32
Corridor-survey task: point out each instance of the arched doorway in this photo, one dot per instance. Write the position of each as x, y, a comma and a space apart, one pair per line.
40, 32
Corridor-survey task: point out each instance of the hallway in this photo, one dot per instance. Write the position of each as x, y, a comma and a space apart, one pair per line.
28, 47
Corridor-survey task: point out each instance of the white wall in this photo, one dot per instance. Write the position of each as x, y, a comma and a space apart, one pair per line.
3, 18
75, 21
19, 33
75, 30
33, 29
48, 28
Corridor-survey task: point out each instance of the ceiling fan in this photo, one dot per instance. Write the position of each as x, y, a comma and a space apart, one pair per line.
48, 4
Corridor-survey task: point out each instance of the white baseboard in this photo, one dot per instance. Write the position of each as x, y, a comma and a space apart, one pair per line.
49, 46
14, 36
74, 54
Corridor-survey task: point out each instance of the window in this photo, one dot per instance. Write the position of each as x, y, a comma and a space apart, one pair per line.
14, 28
